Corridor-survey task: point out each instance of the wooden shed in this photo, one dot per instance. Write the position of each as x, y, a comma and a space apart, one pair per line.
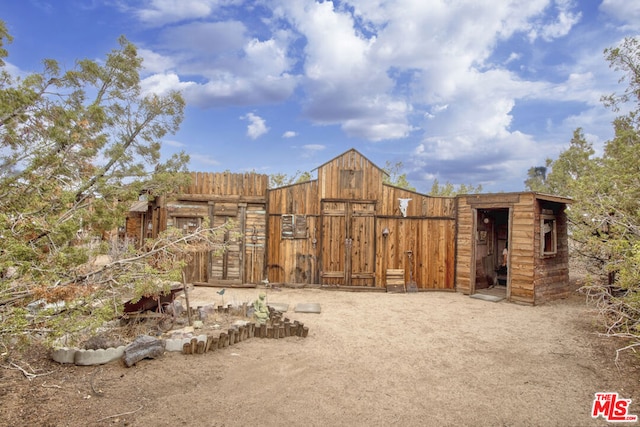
349, 229
533, 229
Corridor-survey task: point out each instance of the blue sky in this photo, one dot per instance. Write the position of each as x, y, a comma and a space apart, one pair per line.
464, 91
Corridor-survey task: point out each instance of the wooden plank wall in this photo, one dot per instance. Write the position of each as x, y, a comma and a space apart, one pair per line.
196, 269
227, 184
420, 205
255, 243
228, 266
464, 246
428, 230
212, 196
552, 273
295, 199
432, 243
367, 178
521, 250
293, 260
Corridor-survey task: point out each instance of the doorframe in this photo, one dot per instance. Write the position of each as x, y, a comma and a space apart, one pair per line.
474, 229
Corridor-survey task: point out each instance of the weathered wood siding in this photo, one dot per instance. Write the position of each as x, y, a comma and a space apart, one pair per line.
431, 243
521, 250
227, 184
294, 259
552, 272
350, 176
532, 278
420, 205
465, 268
345, 211
221, 199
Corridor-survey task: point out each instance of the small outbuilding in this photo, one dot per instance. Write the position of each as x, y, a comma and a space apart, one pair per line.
517, 242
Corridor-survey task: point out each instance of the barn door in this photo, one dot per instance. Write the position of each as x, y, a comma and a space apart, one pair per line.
348, 253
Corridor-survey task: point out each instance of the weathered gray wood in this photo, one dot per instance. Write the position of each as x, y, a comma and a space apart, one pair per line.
143, 347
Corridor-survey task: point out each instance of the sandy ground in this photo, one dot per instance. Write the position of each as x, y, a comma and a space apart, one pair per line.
370, 359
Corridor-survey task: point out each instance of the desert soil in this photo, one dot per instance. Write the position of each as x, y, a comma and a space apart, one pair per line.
370, 359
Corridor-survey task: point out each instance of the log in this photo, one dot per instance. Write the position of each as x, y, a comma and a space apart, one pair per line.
143, 347
200, 348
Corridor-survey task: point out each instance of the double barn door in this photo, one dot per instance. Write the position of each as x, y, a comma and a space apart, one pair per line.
348, 243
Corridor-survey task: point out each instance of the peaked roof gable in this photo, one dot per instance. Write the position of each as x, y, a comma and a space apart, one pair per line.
352, 150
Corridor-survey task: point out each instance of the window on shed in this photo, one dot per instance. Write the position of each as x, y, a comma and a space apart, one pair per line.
294, 226
187, 224
548, 236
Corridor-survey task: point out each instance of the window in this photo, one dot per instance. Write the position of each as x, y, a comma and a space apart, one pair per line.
187, 224
294, 227
548, 236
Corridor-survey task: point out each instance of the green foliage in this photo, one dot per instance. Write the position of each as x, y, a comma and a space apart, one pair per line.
450, 190
605, 215
282, 179
394, 177
76, 148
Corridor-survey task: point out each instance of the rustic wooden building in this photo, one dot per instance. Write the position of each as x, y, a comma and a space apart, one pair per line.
221, 198
348, 229
533, 229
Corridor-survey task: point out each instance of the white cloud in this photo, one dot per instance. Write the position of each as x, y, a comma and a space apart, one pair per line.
626, 11
159, 12
161, 84
560, 26
311, 150
154, 62
203, 159
257, 125
173, 143
448, 74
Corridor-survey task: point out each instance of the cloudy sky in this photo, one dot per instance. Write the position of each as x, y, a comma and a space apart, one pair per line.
465, 91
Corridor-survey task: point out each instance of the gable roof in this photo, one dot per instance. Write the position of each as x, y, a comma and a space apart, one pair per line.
352, 150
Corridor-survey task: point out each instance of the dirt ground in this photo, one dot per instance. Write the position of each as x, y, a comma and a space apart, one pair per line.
370, 359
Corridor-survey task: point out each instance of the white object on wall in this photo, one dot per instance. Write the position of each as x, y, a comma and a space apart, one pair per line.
404, 203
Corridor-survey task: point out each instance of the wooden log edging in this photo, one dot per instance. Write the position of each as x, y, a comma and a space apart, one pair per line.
276, 328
